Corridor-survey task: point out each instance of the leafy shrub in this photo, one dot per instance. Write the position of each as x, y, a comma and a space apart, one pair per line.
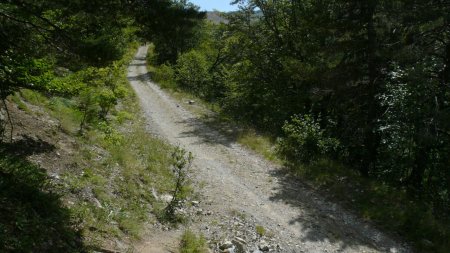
110, 134
152, 56
106, 100
192, 72
165, 76
305, 141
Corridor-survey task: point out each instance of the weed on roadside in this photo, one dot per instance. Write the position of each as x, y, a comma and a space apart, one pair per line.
191, 243
260, 230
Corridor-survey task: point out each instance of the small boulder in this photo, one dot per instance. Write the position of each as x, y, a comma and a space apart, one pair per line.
167, 198
240, 247
264, 246
226, 245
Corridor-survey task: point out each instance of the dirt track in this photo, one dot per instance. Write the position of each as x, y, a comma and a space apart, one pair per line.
238, 181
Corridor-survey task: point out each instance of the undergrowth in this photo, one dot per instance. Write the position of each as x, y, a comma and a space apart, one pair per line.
116, 169
389, 207
123, 164
191, 243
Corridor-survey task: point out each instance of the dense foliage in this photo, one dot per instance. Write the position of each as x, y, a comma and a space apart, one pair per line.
305, 141
69, 59
72, 48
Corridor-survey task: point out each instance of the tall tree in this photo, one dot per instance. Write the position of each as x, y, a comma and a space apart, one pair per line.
170, 25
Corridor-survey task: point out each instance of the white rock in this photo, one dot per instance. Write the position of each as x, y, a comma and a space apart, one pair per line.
239, 239
263, 246
166, 198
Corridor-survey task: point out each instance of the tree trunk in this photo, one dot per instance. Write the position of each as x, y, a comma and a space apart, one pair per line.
370, 138
418, 171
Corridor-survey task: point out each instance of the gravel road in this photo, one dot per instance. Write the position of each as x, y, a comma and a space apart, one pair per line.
240, 190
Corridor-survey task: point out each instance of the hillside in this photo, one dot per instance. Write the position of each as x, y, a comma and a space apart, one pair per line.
216, 17
63, 190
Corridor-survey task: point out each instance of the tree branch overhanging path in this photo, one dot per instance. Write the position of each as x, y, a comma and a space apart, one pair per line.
237, 179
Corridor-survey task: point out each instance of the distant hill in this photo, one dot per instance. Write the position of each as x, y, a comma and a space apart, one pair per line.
216, 17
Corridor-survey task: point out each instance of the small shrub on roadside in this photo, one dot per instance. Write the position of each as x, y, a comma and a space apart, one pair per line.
305, 141
191, 243
181, 162
192, 72
165, 76
260, 230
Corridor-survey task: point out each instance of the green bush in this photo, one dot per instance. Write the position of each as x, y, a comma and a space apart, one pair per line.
106, 100
192, 72
305, 141
152, 56
165, 76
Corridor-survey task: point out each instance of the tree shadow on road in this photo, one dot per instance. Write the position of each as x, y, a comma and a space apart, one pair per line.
324, 220
138, 64
32, 216
320, 219
140, 77
199, 129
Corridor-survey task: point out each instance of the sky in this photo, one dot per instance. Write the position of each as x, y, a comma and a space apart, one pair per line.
209, 5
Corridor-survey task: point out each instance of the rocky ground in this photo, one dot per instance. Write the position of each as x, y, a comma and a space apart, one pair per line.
245, 203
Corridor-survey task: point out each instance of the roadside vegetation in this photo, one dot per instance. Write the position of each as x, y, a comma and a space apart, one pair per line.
107, 192
359, 109
192, 243
81, 172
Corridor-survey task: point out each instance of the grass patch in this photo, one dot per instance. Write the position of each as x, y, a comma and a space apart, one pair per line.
261, 144
191, 243
33, 97
20, 104
121, 181
260, 230
236, 213
65, 111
